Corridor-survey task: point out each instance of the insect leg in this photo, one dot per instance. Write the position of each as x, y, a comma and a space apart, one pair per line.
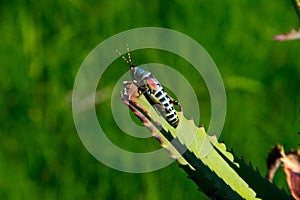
141, 92
127, 85
174, 101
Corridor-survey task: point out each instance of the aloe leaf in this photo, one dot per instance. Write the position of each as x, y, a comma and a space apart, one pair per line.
217, 172
292, 35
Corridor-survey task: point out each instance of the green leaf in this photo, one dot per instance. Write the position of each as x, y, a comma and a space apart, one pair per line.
217, 172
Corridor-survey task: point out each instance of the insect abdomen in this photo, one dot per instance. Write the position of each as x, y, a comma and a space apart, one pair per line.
169, 111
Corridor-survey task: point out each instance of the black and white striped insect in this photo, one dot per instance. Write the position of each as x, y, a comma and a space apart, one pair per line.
149, 86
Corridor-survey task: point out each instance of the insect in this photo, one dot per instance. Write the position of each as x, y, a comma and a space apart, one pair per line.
149, 86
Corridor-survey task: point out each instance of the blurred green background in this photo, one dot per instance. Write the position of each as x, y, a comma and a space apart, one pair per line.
43, 44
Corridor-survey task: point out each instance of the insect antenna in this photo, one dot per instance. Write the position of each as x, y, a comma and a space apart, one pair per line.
129, 62
122, 56
128, 53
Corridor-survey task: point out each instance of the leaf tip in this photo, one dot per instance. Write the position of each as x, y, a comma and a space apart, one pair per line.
292, 35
